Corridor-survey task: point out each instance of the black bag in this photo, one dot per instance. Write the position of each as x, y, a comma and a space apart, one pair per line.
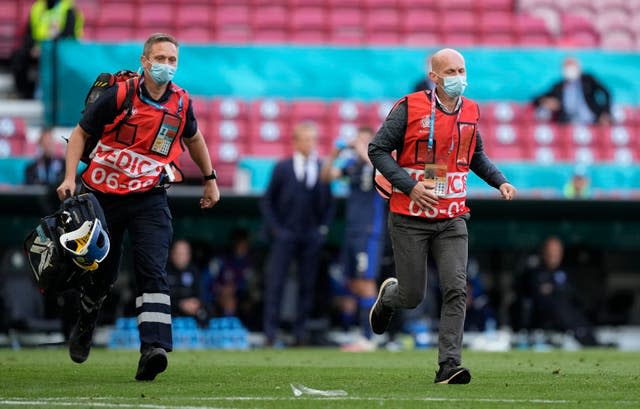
103, 82
52, 266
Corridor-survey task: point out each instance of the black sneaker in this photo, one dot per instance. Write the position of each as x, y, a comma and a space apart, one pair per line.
81, 336
152, 362
451, 373
379, 315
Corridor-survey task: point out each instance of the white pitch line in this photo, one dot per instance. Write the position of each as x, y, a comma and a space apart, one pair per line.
84, 403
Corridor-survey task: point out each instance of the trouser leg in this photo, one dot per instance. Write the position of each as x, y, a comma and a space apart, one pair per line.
450, 251
275, 275
307, 267
151, 234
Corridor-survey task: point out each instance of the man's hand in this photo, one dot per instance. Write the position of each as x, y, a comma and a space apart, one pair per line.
424, 196
550, 103
67, 185
210, 196
507, 191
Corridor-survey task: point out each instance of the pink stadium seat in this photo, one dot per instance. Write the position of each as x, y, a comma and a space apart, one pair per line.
194, 15
496, 22
378, 111
232, 24
624, 115
117, 15
201, 108
501, 112
456, 5
496, 5
156, 17
114, 33
378, 4
505, 142
308, 25
421, 39
382, 19
618, 39
420, 21
194, 34
268, 110
269, 17
346, 26
458, 22
269, 138
383, 38
460, 39
314, 110
229, 130
13, 128
416, 5
333, 4
347, 111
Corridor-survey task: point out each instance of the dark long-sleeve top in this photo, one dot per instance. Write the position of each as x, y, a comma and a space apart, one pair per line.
290, 208
390, 137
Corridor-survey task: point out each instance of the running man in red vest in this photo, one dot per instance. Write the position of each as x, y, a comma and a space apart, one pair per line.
127, 173
436, 140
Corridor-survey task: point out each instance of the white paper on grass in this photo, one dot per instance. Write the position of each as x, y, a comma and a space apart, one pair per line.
299, 390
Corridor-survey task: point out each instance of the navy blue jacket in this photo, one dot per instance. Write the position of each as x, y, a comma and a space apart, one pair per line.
290, 209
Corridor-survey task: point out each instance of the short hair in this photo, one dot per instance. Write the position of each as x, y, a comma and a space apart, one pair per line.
304, 126
157, 38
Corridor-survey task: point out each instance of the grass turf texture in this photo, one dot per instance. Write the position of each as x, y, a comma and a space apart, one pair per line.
46, 378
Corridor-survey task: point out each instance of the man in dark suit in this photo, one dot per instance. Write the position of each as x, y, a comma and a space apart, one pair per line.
578, 98
296, 207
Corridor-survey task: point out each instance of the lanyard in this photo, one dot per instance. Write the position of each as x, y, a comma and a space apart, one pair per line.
154, 103
432, 123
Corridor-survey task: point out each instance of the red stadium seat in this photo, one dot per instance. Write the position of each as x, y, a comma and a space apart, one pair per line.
308, 18
458, 22
268, 110
269, 17
229, 108
195, 34
532, 30
232, 24
190, 15
156, 17
114, 33
495, 5
9, 28
201, 108
346, 26
505, 142
420, 21
624, 114
313, 110
496, 22
347, 111
460, 39
119, 14
378, 111
421, 39
382, 19
456, 5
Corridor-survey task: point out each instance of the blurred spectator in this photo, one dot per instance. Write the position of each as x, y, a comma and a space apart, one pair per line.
363, 242
578, 186
48, 20
547, 298
231, 278
479, 309
48, 167
577, 98
296, 207
184, 283
425, 82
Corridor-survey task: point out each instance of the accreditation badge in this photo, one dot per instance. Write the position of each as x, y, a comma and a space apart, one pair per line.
437, 174
166, 134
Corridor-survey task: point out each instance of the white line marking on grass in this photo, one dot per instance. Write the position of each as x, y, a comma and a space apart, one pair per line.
84, 403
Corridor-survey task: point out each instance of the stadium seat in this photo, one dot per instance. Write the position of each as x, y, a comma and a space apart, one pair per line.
113, 15
382, 20
458, 22
155, 18
201, 108
268, 110
114, 33
618, 39
447, 6
420, 21
229, 108
314, 110
346, 26
189, 16
495, 5
378, 111
232, 24
583, 139
624, 114
9, 28
347, 111
532, 30
308, 25
505, 142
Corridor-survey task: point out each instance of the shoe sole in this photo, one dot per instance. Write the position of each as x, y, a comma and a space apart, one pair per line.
382, 287
154, 365
462, 377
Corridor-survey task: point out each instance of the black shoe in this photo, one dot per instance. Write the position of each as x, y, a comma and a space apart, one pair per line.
379, 315
152, 362
81, 336
451, 373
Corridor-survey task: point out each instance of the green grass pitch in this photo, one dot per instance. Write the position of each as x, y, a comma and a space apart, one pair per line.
46, 378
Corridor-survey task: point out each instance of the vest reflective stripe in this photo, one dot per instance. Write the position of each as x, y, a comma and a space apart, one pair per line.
130, 157
47, 23
414, 154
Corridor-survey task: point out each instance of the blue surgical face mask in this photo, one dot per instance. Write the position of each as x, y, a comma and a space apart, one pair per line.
455, 85
162, 73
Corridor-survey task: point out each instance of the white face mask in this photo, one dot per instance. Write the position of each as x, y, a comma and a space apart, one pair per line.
571, 72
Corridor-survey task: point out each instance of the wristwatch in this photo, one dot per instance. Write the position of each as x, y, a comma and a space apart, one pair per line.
212, 176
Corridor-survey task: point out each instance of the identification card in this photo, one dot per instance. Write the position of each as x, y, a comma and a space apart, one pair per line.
437, 173
166, 134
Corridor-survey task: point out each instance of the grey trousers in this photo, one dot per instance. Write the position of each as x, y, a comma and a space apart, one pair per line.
412, 238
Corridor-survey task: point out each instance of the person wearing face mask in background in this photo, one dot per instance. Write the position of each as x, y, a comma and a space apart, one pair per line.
435, 137
578, 98
126, 174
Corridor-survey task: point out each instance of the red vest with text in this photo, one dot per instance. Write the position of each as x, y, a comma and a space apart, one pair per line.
453, 145
130, 157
